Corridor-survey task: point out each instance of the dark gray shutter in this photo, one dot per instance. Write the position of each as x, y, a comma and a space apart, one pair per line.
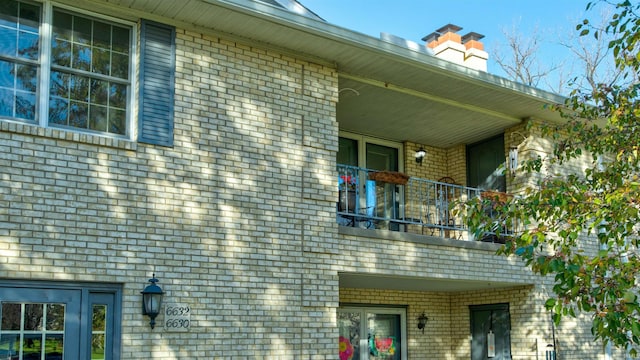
157, 78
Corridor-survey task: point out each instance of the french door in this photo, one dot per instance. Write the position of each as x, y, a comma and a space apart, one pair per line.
372, 333
58, 323
380, 199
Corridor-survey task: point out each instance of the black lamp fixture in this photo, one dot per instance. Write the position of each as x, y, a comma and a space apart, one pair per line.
151, 300
422, 322
420, 154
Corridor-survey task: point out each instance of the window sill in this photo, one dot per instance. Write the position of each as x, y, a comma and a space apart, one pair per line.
65, 135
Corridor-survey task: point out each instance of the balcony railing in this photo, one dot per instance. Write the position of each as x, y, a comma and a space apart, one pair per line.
415, 205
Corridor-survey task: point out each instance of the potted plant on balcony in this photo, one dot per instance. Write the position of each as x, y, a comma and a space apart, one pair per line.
347, 193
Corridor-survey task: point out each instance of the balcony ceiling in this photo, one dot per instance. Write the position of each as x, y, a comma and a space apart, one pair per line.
386, 90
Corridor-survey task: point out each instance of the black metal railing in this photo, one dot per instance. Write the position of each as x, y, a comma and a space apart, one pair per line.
413, 205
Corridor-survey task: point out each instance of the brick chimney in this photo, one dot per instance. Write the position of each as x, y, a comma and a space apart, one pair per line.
466, 50
475, 56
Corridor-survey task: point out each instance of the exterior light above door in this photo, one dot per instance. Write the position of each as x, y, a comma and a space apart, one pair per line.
420, 154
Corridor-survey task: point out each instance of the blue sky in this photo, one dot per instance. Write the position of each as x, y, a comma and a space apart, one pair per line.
413, 19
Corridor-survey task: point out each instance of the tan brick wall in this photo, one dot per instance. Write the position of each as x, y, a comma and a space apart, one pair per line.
436, 340
448, 331
236, 220
447, 334
437, 163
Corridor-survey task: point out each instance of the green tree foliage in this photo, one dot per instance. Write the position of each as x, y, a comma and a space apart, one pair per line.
583, 229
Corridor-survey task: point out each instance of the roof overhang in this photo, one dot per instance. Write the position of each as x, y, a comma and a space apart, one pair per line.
386, 89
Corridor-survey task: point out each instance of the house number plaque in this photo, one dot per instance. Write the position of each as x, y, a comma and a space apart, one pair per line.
177, 317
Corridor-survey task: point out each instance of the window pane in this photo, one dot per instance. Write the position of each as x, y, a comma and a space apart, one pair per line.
11, 315
81, 57
8, 13
120, 66
78, 114
99, 331
101, 61
62, 25
7, 100
7, 73
81, 30
26, 105
27, 78
28, 46
54, 345
58, 111
349, 339
29, 17
99, 92
55, 317
384, 340
98, 342
61, 52
79, 87
120, 39
32, 346
9, 346
118, 96
8, 41
98, 118
117, 122
59, 85
101, 35
33, 314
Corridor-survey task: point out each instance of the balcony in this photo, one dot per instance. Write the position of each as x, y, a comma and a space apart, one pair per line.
372, 199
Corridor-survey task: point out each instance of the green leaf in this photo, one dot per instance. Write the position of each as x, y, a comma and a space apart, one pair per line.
550, 303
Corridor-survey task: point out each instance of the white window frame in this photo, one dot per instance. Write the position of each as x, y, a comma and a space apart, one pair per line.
44, 69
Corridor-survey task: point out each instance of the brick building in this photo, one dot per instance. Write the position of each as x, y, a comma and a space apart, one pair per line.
204, 142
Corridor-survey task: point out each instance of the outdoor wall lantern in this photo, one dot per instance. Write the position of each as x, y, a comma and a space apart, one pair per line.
420, 154
422, 322
513, 159
151, 300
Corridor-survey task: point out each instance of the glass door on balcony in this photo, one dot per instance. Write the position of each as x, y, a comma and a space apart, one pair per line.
372, 333
375, 199
380, 157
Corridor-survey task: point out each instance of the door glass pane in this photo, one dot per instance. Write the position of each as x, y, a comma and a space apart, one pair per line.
33, 317
11, 315
9, 345
54, 345
31, 346
387, 195
347, 152
55, 317
98, 333
384, 336
349, 340
381, 157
